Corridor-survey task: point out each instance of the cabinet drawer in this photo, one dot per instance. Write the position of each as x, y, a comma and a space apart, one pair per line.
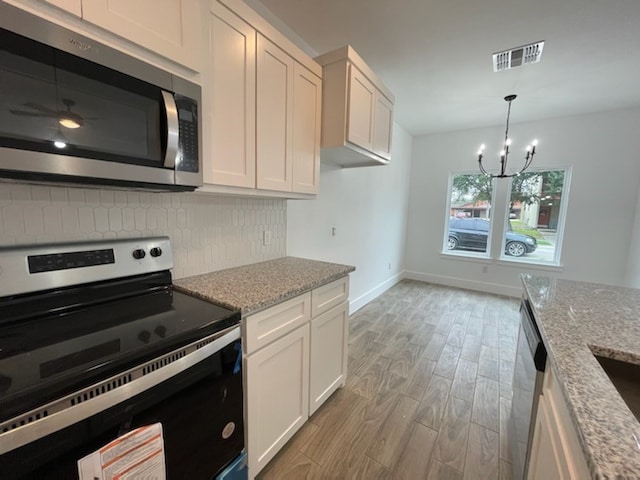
272, 323
328, 296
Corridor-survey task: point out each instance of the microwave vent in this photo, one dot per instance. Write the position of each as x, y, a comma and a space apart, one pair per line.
517, 57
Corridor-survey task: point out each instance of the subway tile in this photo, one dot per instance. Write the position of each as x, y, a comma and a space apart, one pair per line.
101, 218
33, 221
52, 216
85, 217
92, 197
128, 219
70, 221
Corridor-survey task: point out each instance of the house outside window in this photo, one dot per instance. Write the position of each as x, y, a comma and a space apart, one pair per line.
535, 205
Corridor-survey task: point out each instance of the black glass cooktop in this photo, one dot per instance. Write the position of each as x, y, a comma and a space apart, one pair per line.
74, 343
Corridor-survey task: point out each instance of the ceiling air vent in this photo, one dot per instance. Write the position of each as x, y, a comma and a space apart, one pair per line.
517, 56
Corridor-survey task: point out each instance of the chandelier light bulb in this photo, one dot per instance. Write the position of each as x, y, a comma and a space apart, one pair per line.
535, 143
482, 147
508, 142
502, 152
528, 149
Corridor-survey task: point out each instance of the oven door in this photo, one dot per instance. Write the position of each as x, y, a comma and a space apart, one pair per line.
199, 407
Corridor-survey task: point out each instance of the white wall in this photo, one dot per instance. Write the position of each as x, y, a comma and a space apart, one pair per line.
604, 152
368, 208
207, 232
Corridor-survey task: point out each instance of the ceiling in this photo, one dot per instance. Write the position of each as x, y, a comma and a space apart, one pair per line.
435, 55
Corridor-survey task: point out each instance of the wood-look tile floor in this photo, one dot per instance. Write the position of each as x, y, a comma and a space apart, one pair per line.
427, 394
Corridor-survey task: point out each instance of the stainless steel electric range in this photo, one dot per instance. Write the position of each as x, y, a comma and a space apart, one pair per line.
95, 342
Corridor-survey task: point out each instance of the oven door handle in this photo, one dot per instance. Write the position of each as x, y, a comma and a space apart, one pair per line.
67, 410
173, 129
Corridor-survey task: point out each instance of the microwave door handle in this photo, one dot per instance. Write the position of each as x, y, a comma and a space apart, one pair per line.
172, 129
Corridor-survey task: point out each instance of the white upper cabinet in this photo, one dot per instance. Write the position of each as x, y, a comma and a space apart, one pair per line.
274, 117
357, 108
264, 110
307, 119
230, 101
71, 6
362, 95
167, 28
170, 28
382, 126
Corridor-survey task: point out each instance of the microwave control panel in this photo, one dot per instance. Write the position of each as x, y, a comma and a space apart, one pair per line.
188, 133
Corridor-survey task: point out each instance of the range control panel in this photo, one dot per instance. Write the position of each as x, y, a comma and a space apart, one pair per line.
63, 261
31, 268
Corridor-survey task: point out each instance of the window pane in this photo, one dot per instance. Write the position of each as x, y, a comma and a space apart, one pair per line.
534, 211
469, 212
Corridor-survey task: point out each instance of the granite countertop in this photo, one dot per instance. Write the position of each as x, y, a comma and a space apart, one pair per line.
260, 285
577, 319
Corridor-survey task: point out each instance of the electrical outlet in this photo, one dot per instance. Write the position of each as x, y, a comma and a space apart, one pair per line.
266, 237
485, 269
333, 231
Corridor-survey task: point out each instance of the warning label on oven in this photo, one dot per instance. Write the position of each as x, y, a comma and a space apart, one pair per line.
137, 455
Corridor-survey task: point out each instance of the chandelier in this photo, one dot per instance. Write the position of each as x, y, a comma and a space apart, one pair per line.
504, 153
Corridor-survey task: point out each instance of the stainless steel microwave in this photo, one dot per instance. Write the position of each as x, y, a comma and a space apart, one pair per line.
78, 112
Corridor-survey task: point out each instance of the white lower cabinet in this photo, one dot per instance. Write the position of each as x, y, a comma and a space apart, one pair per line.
295, 358
328, 367
555, 453
277, 395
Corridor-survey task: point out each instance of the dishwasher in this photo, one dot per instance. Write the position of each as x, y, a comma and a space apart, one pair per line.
531, 359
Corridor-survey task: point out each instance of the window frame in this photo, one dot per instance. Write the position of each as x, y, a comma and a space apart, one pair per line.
502, 258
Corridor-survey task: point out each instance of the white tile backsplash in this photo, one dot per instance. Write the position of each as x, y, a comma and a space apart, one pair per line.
207, 232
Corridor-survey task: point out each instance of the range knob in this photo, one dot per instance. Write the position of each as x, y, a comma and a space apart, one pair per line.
155, 251
161, 331
138, 253
144, 336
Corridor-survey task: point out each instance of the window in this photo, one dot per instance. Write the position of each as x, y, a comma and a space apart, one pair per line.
534, 204
469, 213
536, 216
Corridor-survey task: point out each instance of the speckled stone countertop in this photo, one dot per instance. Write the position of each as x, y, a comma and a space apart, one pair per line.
577, 319
260, 285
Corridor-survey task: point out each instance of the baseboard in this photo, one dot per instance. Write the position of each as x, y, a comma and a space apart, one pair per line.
486, 287
362, 300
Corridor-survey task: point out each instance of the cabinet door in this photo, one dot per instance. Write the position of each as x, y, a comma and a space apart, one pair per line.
277, 396
328, 367
170, 28
71, 6
361, 104
382, 123
229, 94
547, 456
274, 117
307, 118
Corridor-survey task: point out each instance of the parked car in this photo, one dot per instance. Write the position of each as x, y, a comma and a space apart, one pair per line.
472, 234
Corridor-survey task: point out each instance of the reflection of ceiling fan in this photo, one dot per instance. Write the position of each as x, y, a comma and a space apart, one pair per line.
66, 118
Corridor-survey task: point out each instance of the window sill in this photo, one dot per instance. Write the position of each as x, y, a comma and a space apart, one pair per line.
479, 258
548, 267
466, 256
